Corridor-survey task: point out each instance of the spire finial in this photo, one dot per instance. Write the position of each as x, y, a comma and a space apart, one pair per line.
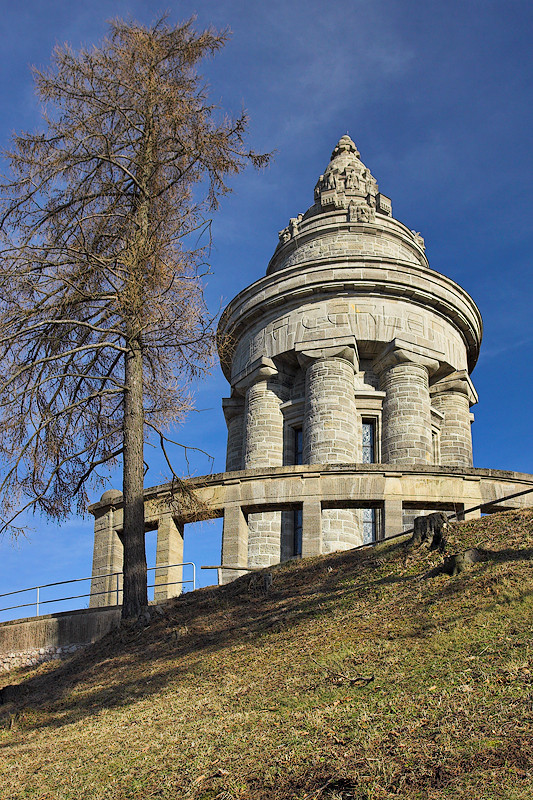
345, 145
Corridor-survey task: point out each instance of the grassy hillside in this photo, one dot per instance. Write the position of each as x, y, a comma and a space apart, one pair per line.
357, 676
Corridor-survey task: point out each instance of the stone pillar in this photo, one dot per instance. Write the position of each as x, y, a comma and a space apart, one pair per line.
234, 541
233, 408
169, 550
330, 416
107, 554
263, 447
311, 528
453, 396
331, 436
393, 512
406, 418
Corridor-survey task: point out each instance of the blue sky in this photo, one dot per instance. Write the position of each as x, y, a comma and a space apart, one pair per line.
438, 99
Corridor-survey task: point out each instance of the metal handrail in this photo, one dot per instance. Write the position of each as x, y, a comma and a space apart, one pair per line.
219, 567
38, 602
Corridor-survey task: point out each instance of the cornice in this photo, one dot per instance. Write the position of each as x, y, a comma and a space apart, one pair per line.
316, 470
370, 276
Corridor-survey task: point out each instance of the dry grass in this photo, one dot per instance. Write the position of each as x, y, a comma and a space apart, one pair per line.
355, 678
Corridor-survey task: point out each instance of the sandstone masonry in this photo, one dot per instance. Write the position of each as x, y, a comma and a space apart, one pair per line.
350, 393
381, 345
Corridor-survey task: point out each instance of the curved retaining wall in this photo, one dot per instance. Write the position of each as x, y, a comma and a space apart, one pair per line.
396, 492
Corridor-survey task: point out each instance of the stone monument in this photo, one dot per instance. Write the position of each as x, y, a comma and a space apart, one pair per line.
351, 351
349, 412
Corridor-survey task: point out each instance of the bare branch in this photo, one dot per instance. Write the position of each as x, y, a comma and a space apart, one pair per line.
105, 230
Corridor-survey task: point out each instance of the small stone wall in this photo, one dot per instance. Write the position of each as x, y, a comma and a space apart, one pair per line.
33, 657
28, 642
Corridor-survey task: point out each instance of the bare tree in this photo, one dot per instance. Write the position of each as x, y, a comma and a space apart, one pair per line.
102, 316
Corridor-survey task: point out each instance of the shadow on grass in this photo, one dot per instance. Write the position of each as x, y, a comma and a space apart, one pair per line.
134, 663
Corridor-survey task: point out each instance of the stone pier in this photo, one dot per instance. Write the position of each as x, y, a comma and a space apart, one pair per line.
406, 421
453, 397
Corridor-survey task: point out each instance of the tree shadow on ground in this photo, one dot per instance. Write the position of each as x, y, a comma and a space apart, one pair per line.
136, 662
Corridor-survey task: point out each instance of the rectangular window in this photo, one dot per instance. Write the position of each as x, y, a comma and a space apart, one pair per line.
297, 527
435, 441
369, 441
298, 446
369, 525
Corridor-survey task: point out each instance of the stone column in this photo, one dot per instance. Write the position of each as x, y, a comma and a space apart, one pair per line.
453, 397
169, 550
330, 436
263, 441
263, 447
233, 408
107, 553
235, 535
330, 416
406, 418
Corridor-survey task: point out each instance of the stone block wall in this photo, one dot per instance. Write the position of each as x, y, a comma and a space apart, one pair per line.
264, 538
339, 243
36, 655
28, 642
341, 529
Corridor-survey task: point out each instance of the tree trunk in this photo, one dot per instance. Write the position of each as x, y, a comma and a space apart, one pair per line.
430, 531
135, 593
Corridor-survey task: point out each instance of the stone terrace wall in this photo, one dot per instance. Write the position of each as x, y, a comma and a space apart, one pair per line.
28, 642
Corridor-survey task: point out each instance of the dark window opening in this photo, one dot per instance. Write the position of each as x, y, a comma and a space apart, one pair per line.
298, 446
435, 445
369, 441
369, 525
297, 532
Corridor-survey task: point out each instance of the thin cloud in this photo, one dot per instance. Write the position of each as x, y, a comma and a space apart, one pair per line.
488, 353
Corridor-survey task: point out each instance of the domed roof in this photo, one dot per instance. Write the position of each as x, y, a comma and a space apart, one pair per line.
348, 207
347, 244
347, 186
112, 495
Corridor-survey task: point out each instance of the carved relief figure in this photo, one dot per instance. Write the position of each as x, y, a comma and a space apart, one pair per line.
293, 224
419, 239
319, 186
363, 213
